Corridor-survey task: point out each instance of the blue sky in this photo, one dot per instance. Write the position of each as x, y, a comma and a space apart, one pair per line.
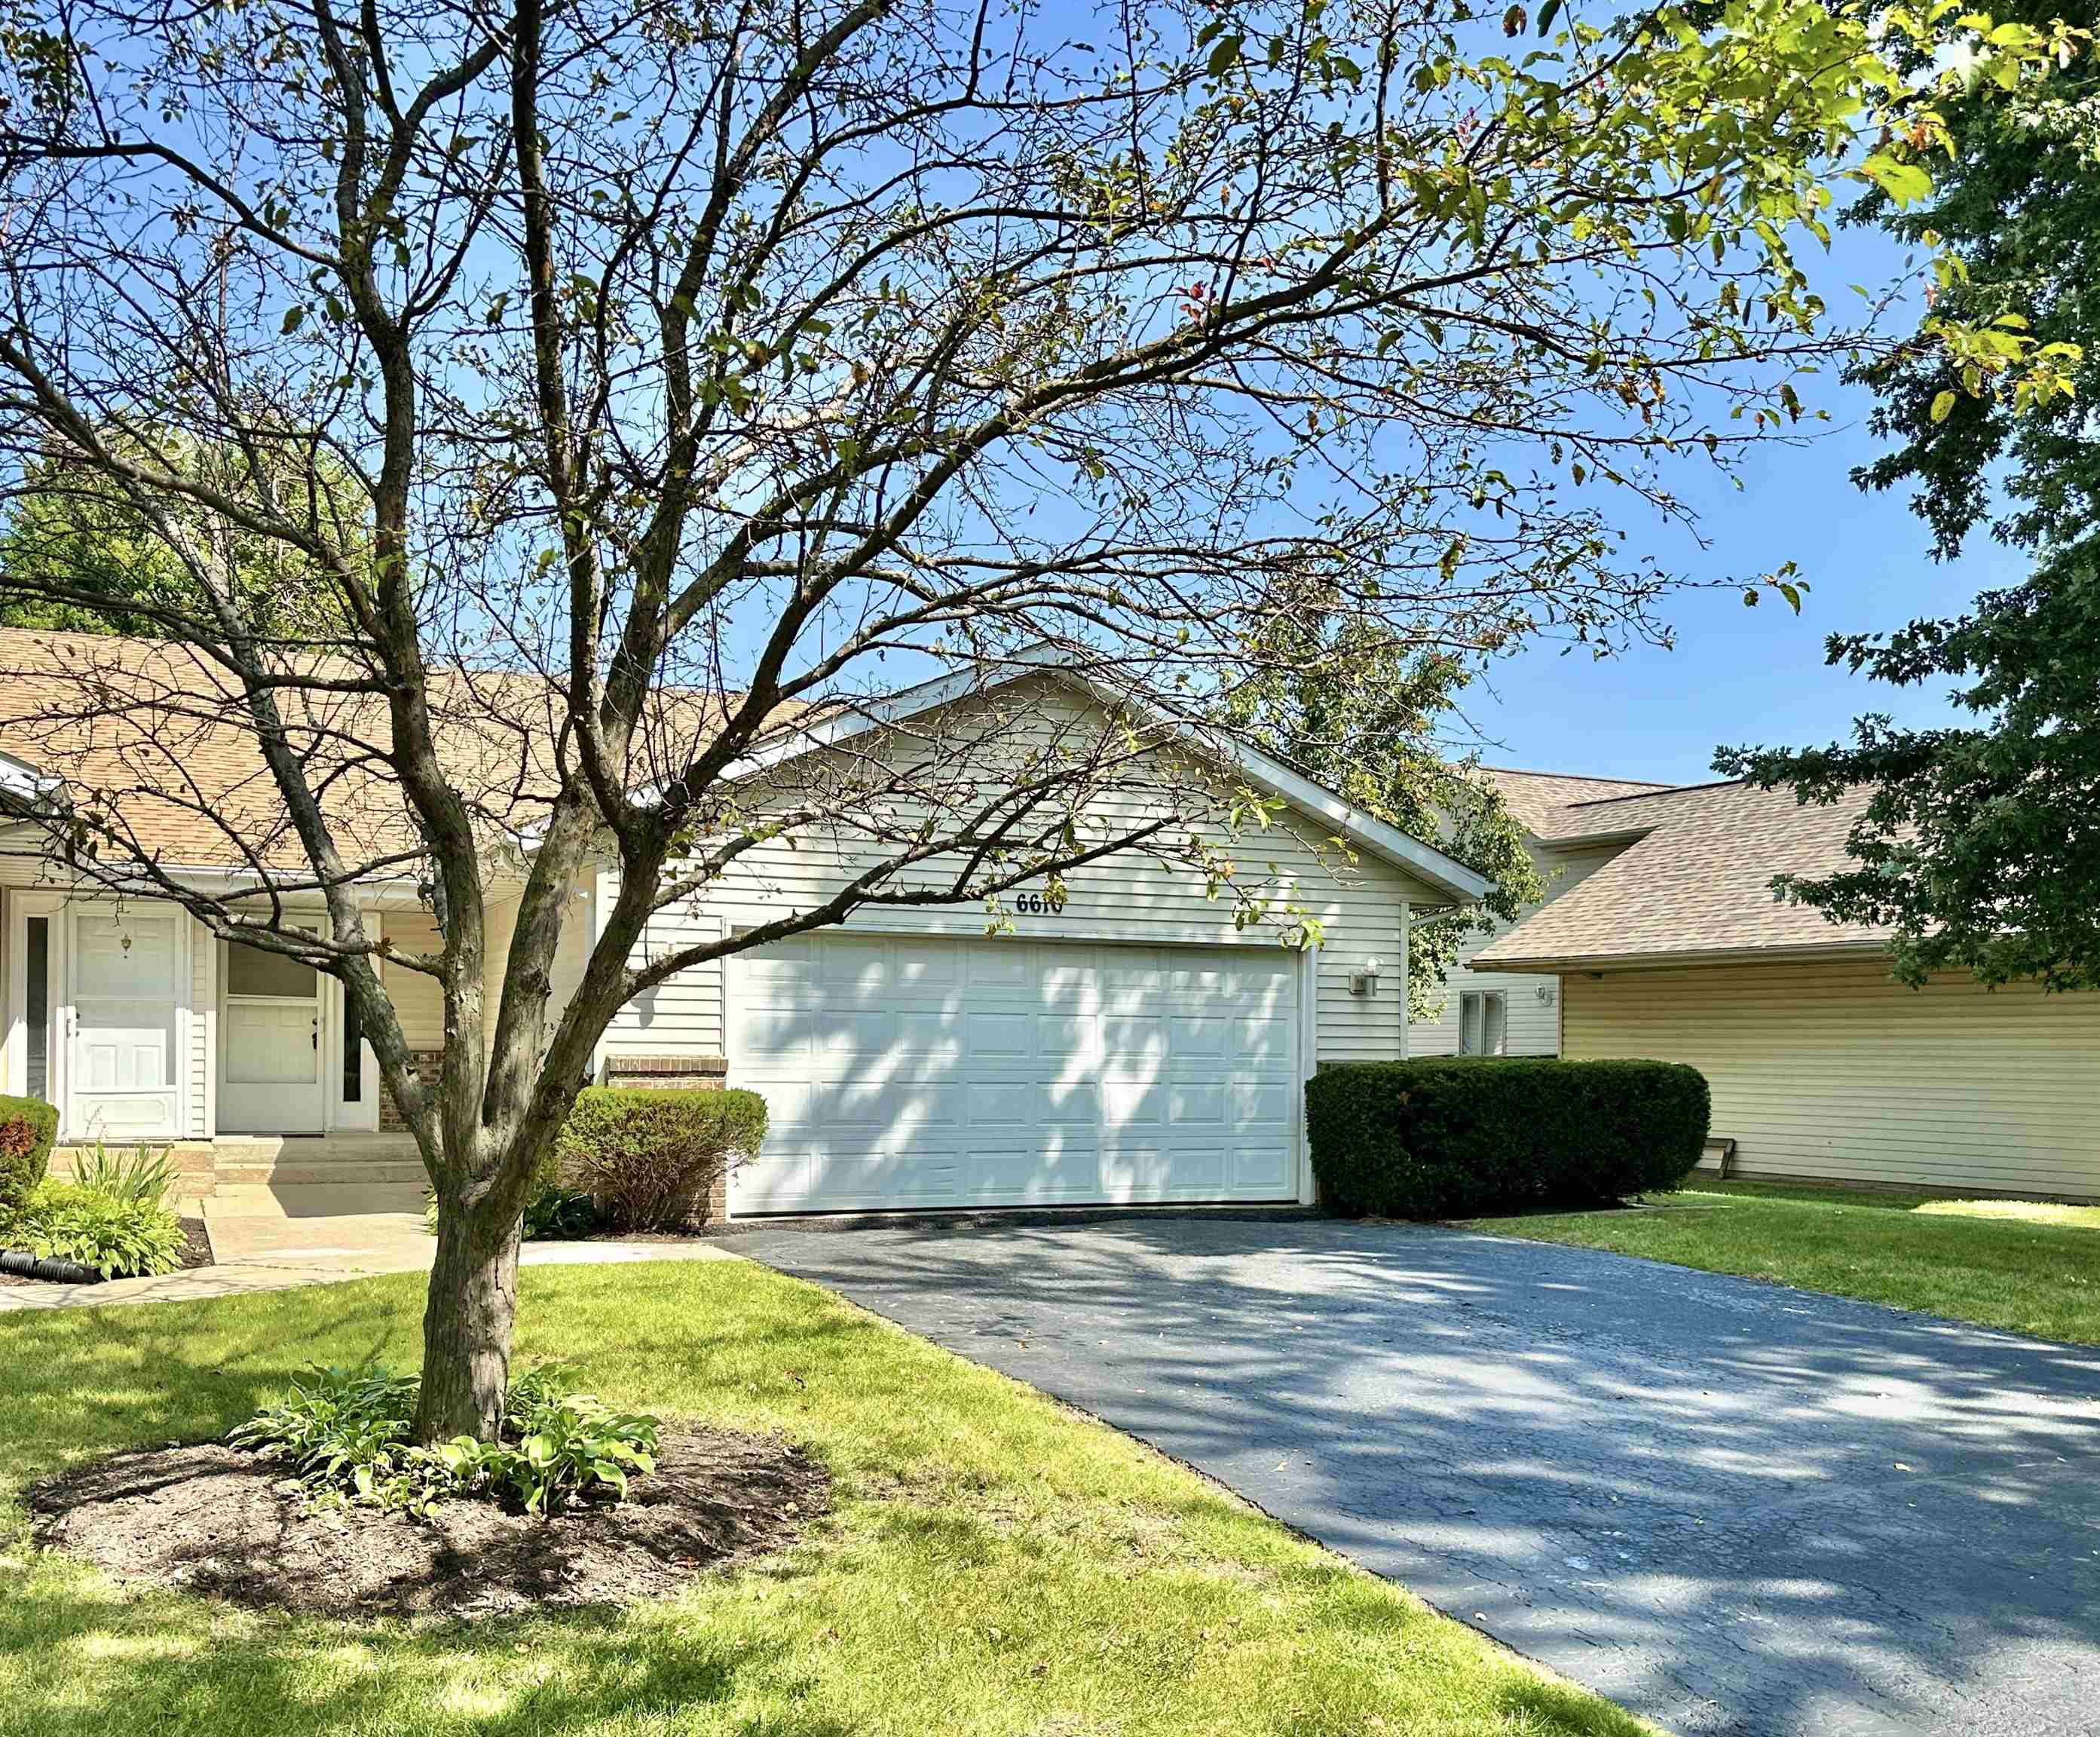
1739, 674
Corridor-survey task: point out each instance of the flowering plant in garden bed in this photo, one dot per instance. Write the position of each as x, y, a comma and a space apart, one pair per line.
348, 1434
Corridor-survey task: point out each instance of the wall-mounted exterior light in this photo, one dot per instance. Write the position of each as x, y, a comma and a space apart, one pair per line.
1365, 981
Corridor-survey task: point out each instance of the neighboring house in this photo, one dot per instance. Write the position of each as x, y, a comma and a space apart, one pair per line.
1672, 945
1137, 1045
1499, 1013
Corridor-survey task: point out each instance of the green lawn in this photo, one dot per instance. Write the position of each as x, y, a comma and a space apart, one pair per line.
995, 1563
2027, 1267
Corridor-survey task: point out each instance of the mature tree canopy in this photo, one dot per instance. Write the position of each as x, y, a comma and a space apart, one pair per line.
77, 555
2015, 213
706, 373
1363, 713
1979, 843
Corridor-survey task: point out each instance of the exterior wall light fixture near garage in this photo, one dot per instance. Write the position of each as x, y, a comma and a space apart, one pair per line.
1365, 981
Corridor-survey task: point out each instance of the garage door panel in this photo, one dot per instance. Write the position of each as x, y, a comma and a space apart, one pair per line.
924, 969
790, 963
995, 1104
1270, 989
909, 1071
1199, 1039
789, 1117
1259, 1168
1199, 1104
866, 1108
1264, 1043
875, 1180
1066, 1101
1133, 1045
770, 1034
1068, 1046
1126, 1103
1068, 985
1000, 1037
1003, 970
780, 1179
1165, 1104
1266, 1104
1137, 1173
1031, 1174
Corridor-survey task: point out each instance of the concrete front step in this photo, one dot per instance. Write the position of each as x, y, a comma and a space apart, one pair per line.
313, 1200
362, 1172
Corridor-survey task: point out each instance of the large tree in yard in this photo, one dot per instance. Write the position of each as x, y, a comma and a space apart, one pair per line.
1977, 842
707, 371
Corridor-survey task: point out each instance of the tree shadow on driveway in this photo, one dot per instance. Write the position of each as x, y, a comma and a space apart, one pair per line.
1729, 1506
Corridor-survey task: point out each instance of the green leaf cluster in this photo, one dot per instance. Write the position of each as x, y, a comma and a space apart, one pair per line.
348, 1435
120, 1237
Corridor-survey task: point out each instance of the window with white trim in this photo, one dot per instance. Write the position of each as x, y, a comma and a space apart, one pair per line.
1483, 1023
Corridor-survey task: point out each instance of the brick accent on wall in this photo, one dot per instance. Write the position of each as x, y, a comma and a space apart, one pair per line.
666, 1073
426, 1064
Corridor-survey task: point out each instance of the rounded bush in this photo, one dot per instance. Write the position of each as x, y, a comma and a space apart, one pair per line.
1461, 1137
650, 1158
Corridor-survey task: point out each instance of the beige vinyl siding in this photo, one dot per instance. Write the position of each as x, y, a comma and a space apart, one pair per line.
1828, 1069
1133, 900
682, 1016
1531, 1003
418, 1002
500, 924
565, 972
1127, 897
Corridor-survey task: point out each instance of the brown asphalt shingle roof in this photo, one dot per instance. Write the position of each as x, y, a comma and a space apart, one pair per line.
1699, 883
150, 734
1538, 801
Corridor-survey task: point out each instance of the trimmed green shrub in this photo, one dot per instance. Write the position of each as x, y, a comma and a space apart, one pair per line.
650, 1158
28, 1129
1459, 1136
348, 1435
119, 1239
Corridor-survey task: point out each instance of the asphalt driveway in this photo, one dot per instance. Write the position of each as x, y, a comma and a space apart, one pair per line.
1730, 1507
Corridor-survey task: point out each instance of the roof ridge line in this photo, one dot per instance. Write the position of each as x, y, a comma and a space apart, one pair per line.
1672, 789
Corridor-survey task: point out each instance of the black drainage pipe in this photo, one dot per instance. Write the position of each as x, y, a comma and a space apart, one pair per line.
24, 1265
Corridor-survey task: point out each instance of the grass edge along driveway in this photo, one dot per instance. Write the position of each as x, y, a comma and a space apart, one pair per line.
2019, 1266
995, 1563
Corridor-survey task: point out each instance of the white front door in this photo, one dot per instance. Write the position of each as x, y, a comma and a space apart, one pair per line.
904, 1072
270, 1034
120, 1078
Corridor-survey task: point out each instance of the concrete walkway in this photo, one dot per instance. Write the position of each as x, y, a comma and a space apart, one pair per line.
273, 1239
1741, 1510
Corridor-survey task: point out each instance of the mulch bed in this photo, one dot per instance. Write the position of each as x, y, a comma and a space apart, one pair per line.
208, 1519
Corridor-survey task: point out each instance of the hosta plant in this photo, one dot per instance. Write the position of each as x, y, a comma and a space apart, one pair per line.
349, 1435
119, 1239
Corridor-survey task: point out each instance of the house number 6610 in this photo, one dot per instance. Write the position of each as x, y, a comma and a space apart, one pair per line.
1033, 904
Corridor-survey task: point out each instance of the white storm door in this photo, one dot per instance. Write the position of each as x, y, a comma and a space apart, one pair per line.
270, 1034
120, 1074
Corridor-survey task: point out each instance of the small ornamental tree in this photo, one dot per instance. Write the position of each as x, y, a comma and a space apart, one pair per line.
699, 369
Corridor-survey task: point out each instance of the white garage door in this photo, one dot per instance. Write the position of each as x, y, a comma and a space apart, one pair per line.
999, 1072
